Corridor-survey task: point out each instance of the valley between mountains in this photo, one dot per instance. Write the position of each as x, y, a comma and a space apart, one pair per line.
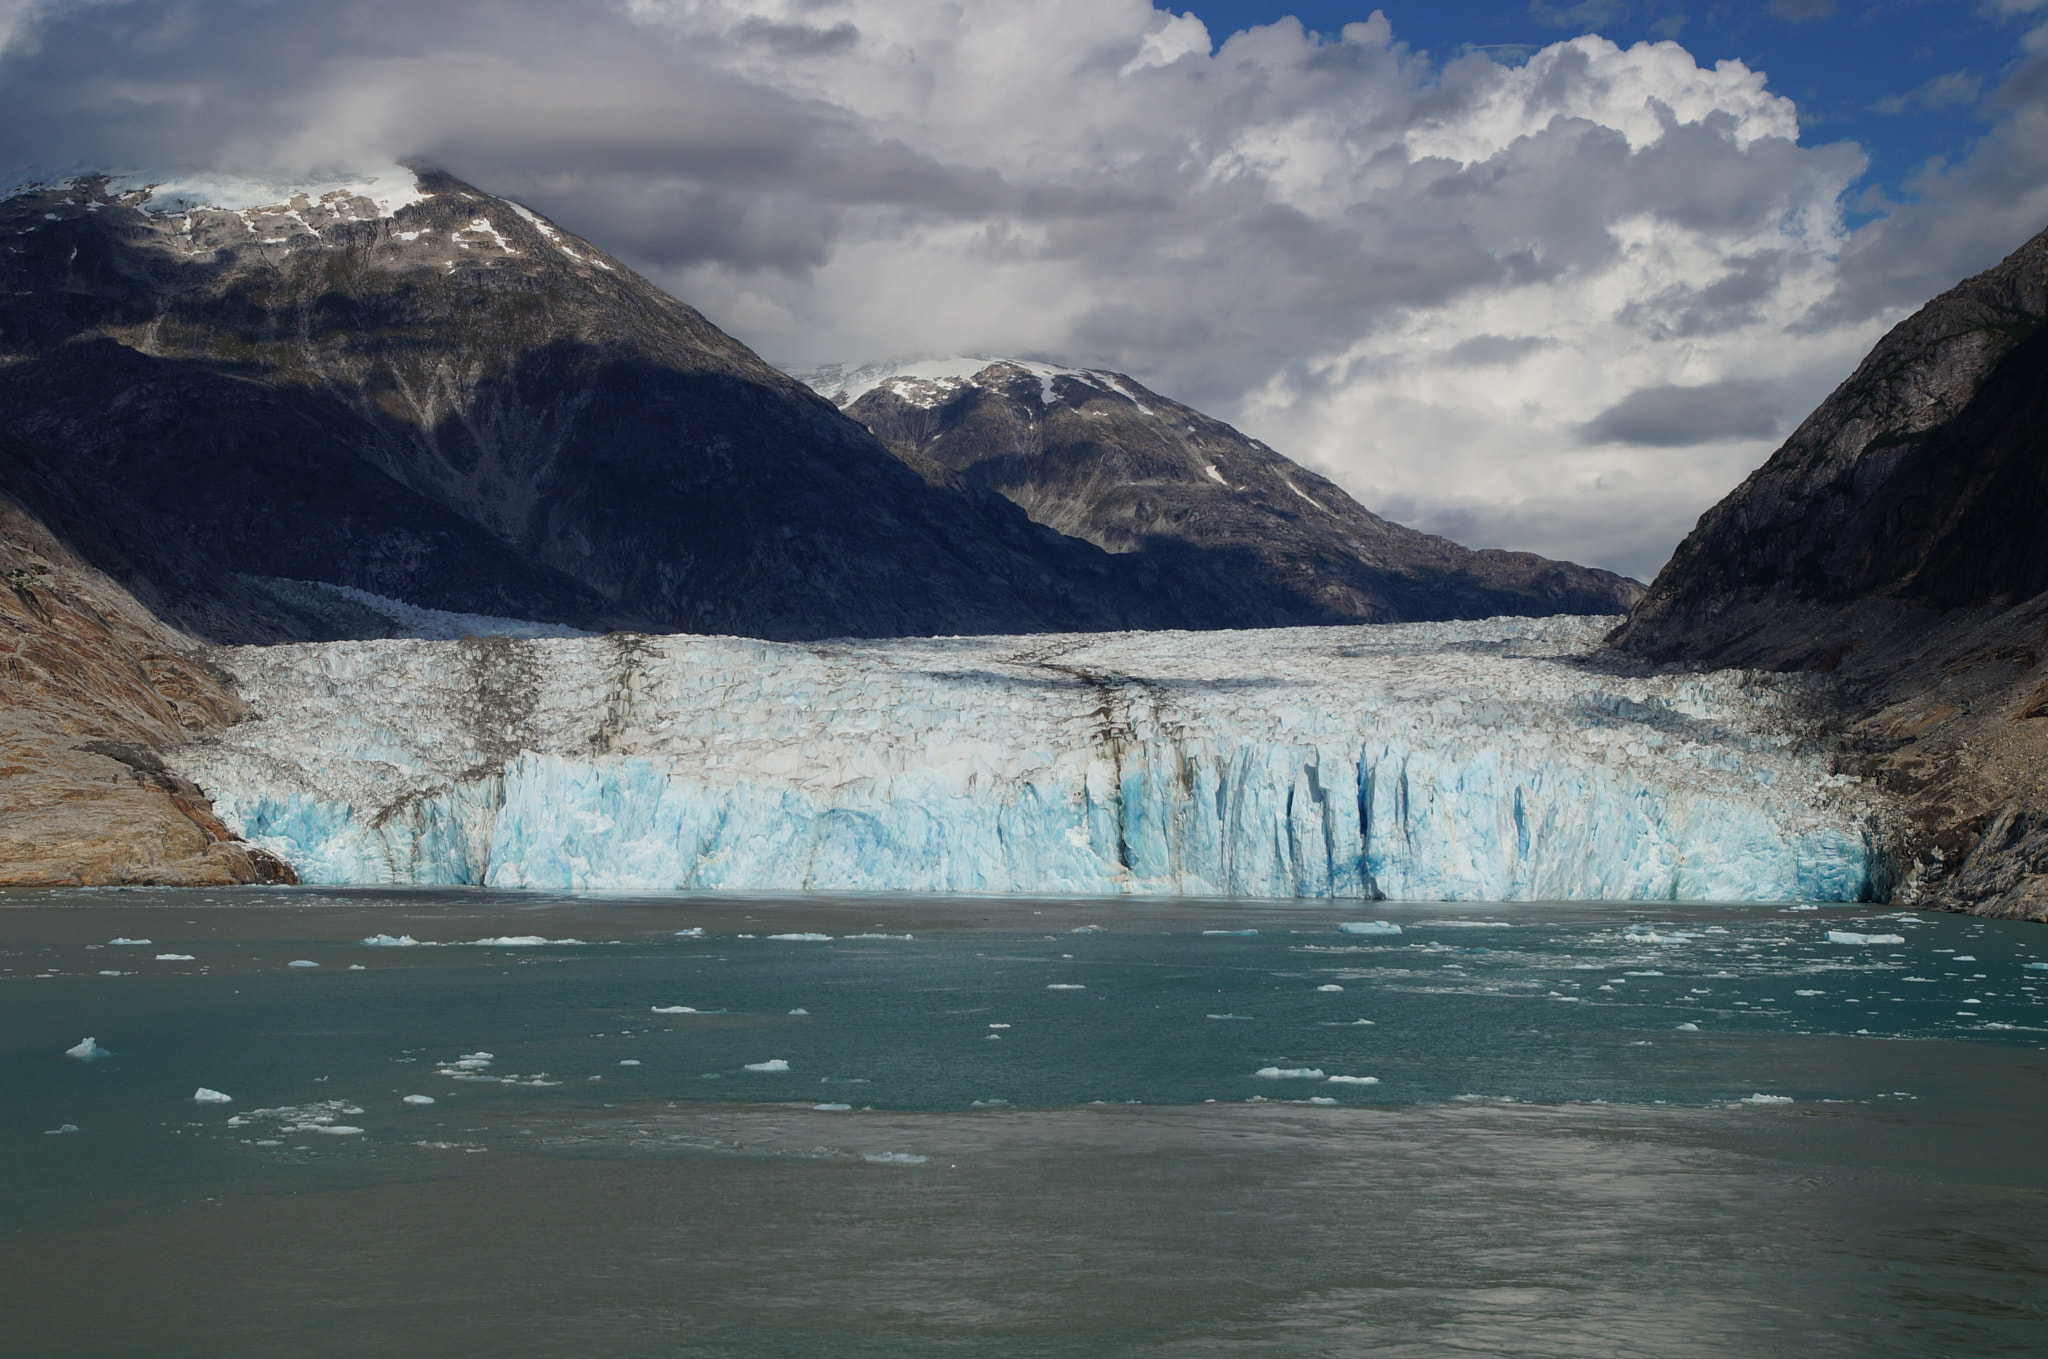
383, 531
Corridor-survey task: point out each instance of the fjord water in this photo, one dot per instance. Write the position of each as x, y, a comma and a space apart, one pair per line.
974, 1126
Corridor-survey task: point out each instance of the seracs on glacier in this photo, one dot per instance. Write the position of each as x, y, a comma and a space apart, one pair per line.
1495, 760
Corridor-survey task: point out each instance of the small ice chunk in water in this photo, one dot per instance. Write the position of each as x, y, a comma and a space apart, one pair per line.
1354, 1080
357, 967
519, 941
772, 1064
1809, 993
2036, 967
392, 941
1216, 1017
60, 1130
205, 1096
895, 1158
803, 938
1369, 927
1329, 986
672, 1009
87, 1050
1320, 1099
1065, 986
1283, 1073
105, 973
1229, 931
1688, 1028
1766, 1099
418, 1099
832, 1108
629, 1061
1851, 937
302, 962
799, 1010
175, 958
694, 932
128, 941
334, 1130
1086, 929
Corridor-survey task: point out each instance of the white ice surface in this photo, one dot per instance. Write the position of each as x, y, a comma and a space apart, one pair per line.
87, 1050
1852, 937
204, 1096
1445, 761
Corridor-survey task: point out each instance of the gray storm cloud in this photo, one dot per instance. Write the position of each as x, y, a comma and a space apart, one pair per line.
1525, 304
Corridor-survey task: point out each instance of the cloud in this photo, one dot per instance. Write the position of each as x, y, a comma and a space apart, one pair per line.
1944, 91
1433, 282
1669, 416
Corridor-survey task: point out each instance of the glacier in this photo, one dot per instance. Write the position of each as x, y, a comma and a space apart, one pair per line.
1508, 759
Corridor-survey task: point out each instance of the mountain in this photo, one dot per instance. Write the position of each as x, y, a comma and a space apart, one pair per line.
1234, 533
1895, 542
408, 388
93, 683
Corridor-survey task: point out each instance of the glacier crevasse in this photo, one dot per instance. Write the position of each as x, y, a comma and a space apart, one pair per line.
1446, 761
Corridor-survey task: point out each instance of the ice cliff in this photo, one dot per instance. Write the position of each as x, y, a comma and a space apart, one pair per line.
1473, 760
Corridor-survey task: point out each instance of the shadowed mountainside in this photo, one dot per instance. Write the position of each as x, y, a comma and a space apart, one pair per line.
1896, 542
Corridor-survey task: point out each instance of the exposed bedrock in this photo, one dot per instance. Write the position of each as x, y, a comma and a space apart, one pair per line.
1895, 543
93, 686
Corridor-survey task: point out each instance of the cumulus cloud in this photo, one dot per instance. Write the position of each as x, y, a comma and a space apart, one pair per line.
1480, 294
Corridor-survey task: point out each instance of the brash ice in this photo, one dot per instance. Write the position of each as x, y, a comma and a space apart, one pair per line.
1497, 760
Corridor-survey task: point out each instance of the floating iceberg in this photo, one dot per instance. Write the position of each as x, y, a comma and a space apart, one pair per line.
1285, 1073
88, 1050
392, 941
1369, 927
772, 1064
1440, 761
204, 1096
1851, 937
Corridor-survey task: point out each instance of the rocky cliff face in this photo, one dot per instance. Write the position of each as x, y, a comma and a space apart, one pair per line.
1234, 533
92, 684
1896, 542
431, 394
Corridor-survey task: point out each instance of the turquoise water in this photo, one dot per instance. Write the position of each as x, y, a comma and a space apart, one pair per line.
973, 1126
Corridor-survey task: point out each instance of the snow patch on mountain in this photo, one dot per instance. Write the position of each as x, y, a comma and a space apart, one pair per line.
1446, 761
929, 382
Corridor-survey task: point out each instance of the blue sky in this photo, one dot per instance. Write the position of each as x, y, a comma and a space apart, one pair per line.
1904, 79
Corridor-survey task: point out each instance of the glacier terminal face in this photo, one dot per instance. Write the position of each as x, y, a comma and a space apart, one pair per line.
1485, 760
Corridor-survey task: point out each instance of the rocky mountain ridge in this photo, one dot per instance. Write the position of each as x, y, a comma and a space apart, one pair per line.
1215, 514
1895, 543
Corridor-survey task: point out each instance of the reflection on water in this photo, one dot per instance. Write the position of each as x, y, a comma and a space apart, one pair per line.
917, 1146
